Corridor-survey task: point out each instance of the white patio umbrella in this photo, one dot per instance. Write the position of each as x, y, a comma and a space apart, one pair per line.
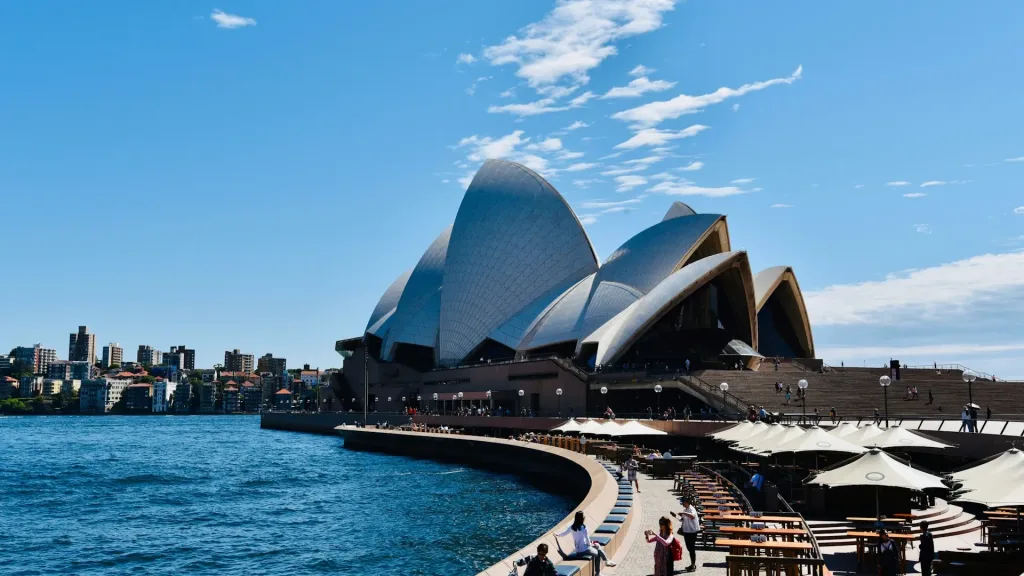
863, 434
739, 430
762, 441
634, 428
995, 482
878, 469
815, 439
898, 437
610, 428
568, 426
591, 427
843, 429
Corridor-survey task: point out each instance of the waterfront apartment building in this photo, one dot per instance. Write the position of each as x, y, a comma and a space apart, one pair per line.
36, 358
99, 396
148, 356
69, 388
283, 399
31, 386
207, 397
68, 370
251, 398
82, 346
188, 356
275, 366
310, 378
113, 355
7, 387
161, 396
183, 398
52, 386
138, 398
82, 370
230, 403
6, 363
235, 361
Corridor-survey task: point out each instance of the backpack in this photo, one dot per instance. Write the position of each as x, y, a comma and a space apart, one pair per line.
677, 549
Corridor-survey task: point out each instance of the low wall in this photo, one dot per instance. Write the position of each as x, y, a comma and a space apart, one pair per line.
691, 429
574, 474
325, 422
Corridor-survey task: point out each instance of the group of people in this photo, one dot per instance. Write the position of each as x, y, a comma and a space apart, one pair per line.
788, 389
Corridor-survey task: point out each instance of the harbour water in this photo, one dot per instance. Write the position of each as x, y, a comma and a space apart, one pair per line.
216, 495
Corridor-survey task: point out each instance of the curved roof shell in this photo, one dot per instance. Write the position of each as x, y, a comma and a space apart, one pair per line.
558, 322
386, 305
418, 312
514, 241
646, 259
780, 282
624, 329
678, 209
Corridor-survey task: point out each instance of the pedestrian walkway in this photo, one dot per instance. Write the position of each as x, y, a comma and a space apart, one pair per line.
656, 499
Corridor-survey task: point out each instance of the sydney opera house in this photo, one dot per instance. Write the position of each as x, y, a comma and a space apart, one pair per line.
511, 300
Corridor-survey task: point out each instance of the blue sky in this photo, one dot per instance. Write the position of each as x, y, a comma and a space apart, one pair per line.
253, 175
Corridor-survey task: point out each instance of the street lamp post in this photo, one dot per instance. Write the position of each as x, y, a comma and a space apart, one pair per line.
520, 402
454, 398
657, 394
435, 401
490, 405
884, 381
558, 393
724, 387
970, 377
802, 385
388, 407
604, 393
460, 401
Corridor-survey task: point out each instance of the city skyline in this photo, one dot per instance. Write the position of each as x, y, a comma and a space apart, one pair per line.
260, 144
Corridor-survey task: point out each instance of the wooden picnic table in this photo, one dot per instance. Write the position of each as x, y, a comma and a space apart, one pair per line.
771, 548
784, 520
872, 521
788, 534
1004, 513
862, 543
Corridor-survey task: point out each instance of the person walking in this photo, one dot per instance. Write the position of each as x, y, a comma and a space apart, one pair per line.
539, 565
931, 399
631, 466
832, 414
585, 548
964, 420
888, 555
690, 526
665, 545
927, 550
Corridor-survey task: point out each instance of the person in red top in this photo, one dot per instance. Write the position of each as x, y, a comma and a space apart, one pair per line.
664, 541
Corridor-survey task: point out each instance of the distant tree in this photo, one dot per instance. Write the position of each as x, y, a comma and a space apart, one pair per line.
14, 406
147, 379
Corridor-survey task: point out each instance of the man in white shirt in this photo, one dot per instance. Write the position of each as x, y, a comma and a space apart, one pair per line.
690, 526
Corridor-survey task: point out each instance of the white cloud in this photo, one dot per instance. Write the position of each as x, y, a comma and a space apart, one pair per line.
664, 176
626, 183
542, 106
581, 166
585, 182
577, 125
1017, 159
654, 113
557, 92
735, 107
645, 161
581, 99
641, 70
510, 93
602, 205
938, 291
858, 186
1018, 210
638, 87
693, 166
781, 206
230, 21
915, 195
618, 171
922, 229
487, 147
931, 183
567, 155
690, 189
465, 59
586, 219
445, 181
898, 183
575, 38
742, 181
549, 145
656, 137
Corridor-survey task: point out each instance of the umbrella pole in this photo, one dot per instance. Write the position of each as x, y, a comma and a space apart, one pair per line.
878, 509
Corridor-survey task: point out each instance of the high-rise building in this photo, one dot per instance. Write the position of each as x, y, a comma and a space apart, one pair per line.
6, 363
174, 359
113, 355
59, 370
81, 370
235, 361
188, 354
275, 366
36, 358
148, 356
82, 346
99, 396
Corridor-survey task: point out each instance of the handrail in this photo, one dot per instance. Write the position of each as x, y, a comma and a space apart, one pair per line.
738, 405
736, 491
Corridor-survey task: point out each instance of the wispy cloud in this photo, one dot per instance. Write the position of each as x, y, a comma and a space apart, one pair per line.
915, 195
693, 166
577, 125
542, 106
574, 38
547, 145
641, 70
685, 188
568, 155
656, 137
638, 87
1018, 210
465, 59
617, 171
587, 219
1017, 159
742, 181
858, 186
510, 93
581, 166
603, 205
898, 183
654, 113
735, 107
937, 292
922, 228
231, 21
931, 183
781, 206
582, 99
626, 183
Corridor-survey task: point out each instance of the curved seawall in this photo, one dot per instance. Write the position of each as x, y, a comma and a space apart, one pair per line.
582, 478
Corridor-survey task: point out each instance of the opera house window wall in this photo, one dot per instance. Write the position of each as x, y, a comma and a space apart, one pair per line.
512, 297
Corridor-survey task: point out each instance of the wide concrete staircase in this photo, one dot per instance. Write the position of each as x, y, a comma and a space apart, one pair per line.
855, 392
944, 519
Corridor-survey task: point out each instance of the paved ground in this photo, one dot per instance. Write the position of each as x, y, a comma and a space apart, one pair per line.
656, 500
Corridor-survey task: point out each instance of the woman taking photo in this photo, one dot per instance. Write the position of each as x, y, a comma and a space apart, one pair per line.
664, 547
584, 546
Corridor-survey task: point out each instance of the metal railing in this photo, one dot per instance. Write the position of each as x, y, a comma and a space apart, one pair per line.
739, 406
